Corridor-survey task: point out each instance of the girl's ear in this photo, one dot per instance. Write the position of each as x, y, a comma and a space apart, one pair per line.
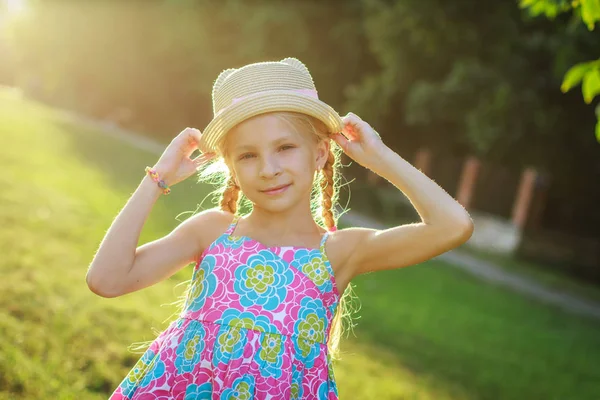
322, 153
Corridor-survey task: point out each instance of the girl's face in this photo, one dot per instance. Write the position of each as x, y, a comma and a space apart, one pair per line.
272, 163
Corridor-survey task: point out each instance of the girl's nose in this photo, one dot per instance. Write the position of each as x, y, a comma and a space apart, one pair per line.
270, 168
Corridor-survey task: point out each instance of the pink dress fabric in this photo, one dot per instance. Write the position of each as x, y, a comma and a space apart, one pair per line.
255, 325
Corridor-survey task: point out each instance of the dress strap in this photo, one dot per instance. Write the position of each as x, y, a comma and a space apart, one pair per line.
234, 222
325, 236
323, 240
327, 262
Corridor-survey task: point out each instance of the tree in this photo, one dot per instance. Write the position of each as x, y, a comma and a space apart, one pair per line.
159, 59
587, 73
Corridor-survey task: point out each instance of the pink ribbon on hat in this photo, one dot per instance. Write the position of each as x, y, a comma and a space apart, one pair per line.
308, 92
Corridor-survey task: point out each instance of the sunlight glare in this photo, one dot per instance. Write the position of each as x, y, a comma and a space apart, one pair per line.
14, 6
11, 9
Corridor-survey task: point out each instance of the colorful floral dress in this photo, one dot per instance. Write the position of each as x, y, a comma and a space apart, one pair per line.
254, 326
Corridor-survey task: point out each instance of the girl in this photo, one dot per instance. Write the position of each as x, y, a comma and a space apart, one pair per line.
261, 315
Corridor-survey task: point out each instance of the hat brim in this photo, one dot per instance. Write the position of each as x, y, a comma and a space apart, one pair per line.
280, 100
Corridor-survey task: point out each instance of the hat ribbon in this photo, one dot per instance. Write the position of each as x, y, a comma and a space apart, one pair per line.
308, 92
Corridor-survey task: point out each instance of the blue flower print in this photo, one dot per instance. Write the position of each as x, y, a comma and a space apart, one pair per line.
246, 320
204, 284
230, 242
270, 355
132, 380
311, 329
332, 309
331, 377
323, 389
263, 280
201, 392
312, 264
242, 389
190, 348
156, 370
296, 390
229, 345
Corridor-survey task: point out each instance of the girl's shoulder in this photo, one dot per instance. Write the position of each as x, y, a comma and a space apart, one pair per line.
210, 224
342, 242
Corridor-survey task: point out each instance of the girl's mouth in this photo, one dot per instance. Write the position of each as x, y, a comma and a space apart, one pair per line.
276, 189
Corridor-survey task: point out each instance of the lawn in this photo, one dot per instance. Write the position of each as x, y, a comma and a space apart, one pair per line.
424, 332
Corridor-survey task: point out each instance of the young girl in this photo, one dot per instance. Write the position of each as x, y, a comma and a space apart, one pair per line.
263, 303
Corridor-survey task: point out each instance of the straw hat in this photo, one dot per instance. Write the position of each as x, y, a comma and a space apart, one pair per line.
242, 93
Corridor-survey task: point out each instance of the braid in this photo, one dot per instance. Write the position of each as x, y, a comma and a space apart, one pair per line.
230, 196
327, 191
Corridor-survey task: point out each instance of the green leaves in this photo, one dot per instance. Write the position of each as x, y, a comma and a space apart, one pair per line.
549, 8
574, 75
591, 85
598, 123
589, 74
590, 12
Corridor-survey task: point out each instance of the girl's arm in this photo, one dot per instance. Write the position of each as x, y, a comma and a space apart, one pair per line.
445, 224
119, 266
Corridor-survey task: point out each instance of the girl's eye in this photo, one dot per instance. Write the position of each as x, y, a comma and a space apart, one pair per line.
246, 156
286, 147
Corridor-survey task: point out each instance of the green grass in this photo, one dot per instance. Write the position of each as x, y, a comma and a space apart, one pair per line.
425, 332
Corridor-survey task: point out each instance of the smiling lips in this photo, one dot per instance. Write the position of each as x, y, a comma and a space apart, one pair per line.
276, 189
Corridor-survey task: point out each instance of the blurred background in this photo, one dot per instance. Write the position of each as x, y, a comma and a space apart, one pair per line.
496, 101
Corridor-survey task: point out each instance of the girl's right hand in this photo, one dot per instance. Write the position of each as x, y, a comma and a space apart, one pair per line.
175, 164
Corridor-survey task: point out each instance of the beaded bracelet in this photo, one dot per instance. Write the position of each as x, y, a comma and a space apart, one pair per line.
154, 175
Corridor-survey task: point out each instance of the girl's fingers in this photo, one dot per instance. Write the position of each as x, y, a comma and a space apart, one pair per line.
194, 134
349, 131
353, 126
189, 141
357, 129
341, 140
202, 158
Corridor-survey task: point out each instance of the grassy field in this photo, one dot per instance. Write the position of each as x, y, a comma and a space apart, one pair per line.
425, 332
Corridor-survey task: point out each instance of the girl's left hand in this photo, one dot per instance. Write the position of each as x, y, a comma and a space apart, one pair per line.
359, 140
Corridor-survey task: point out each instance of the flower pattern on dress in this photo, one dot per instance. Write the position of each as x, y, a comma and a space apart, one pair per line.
323, 390
156, 370
311, 262
254, 324
199, 392
296, 389
189, 350
242, 389
229, 342
262, 280
246, 320
204, 283
270, 355
136, 374
311, 327
231, 242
